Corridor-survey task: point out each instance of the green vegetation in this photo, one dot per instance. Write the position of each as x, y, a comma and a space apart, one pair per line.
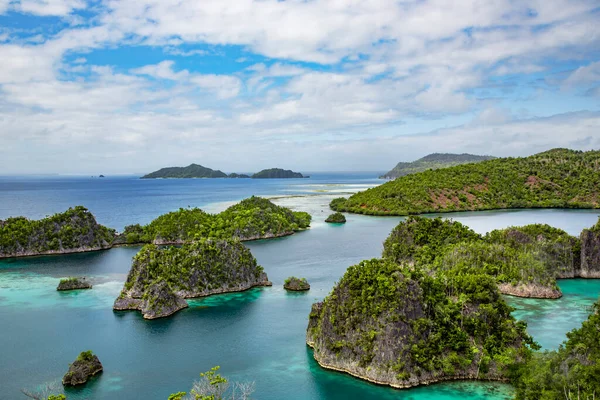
234, 175
160, 278
572, 372
276, 173
556, 178
402, 326
533, 255
57, 397
191, 171
73, 230
336, 218
212, 386
296, 284
72, 283
252, 218
433, 161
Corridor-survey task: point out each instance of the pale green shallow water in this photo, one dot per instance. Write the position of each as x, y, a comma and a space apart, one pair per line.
257, 335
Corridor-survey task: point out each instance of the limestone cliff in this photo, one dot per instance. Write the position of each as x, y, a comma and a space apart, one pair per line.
590, 252
397, 326
160, 278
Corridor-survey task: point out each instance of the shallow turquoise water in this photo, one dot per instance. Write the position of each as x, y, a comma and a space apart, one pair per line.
254, 336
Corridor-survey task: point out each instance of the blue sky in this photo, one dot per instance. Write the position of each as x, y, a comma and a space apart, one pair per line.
110, 86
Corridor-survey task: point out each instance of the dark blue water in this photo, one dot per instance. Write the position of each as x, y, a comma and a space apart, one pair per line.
257, 335
120, 201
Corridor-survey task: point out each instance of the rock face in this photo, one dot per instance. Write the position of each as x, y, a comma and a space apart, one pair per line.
296, 284
397, 326
73, 284
337, 218
85, 366
73, 231
160, 279
590, 252
530, 290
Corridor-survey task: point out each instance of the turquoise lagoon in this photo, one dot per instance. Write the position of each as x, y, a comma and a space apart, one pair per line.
255, 336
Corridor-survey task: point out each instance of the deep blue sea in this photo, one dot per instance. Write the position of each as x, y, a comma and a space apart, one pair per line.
257, 335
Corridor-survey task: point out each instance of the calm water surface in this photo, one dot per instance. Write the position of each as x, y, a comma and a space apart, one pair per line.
254, 336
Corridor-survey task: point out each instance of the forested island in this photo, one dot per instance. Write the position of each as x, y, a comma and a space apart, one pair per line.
198, 171
73, 231
191, 171
433, 161
161, 278
251, 219
431, 310
277, 173
76, 230
558, 178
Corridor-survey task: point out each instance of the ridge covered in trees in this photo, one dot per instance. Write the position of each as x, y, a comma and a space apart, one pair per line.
277, 173
252, 218
191, 171
559, 178
433, 161
72, 231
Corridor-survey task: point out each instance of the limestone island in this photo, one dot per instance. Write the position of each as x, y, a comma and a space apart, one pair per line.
83, 368
296, 284
559, 178
433, 161
251, 219
525, 261
73, 231
277, 173
73, 283
397, 325
336, 218
161, 279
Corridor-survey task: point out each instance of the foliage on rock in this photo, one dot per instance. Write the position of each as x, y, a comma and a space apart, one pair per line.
73, 230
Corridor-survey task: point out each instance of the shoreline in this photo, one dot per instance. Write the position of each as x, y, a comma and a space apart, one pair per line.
98, 249
395, 386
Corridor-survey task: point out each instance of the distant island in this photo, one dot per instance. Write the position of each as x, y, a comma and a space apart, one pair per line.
558, 178
433, 161
191, 171
198, 171
277, 173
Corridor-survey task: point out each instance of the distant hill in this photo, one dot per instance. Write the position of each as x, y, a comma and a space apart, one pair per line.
433, 161
277, 173
558, 178
191, 171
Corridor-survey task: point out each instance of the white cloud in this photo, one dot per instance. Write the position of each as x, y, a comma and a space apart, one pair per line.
383, 63
49, 7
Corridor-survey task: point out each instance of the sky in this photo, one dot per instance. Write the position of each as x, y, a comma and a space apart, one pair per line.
116, 87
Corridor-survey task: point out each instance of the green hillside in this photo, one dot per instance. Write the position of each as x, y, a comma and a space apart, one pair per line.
433, 161
191, 171
559, 178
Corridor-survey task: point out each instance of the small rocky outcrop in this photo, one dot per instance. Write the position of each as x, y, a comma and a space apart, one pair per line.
73, 283
161, 278
336, 218
158, 301
590, 252
296, 284
530, 290
83, 368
